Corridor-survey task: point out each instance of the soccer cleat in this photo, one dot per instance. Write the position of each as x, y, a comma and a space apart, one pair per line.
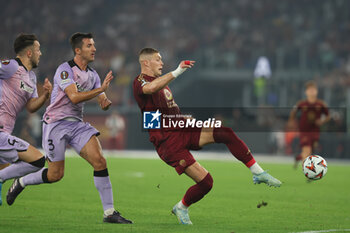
0, 193
266, 178
13, 192
182, 215
116, 218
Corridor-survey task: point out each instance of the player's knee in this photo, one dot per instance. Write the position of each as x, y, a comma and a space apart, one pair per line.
100, 163
207, 183
54, 176
210, 182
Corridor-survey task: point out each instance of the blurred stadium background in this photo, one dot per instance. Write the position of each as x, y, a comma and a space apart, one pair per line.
307, 40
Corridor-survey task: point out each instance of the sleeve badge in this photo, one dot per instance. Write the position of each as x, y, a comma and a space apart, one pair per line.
5, 62
64, 75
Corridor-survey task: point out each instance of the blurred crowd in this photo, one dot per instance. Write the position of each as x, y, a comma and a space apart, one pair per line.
313, 34
220, 35
225, 34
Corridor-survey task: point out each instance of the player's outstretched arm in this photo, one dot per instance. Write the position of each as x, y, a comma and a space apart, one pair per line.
34, 104
77, 97
161, 82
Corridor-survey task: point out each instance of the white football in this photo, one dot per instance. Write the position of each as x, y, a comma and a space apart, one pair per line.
314, 167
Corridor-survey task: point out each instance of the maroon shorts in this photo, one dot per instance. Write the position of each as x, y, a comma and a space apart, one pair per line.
309, 139
175, 150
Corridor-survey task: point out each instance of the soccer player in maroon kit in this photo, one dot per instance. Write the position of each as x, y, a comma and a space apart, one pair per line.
152, 93
312, 109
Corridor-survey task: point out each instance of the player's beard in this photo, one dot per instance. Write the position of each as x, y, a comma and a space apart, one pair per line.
35, 63
88, 59
91, 59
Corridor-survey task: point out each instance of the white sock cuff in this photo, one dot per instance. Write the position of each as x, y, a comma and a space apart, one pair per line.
181, 205
256, 169
108, 211
21, 182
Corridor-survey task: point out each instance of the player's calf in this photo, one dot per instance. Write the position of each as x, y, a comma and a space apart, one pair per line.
193, 195
50, 176
104, 187
54, 173
21, 168
236, 146
240, 150
36, 178
198, 191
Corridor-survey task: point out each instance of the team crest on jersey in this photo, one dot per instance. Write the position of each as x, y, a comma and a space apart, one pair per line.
64, 75
168, 94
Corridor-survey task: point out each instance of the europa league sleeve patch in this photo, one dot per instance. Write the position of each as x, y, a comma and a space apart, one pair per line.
64, 78
5, 62
64, 75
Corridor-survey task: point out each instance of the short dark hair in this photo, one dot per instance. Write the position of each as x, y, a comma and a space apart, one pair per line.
23, 41
148, 51
309, 84
76, 40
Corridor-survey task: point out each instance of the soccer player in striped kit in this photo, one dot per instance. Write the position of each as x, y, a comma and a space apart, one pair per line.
74, 83
18, 90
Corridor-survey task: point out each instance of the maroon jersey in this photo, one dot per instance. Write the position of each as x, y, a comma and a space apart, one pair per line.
162, 100
310, 113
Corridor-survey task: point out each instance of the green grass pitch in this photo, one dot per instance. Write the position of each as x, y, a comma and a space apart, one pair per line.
146, 190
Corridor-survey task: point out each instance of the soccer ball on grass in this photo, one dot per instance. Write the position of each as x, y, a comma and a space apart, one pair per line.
314, 167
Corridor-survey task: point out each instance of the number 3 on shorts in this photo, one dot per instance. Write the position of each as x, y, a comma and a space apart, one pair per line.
51, 145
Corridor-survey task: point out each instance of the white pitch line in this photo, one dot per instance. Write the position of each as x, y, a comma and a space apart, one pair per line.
330, 230
135, 174
205, 155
